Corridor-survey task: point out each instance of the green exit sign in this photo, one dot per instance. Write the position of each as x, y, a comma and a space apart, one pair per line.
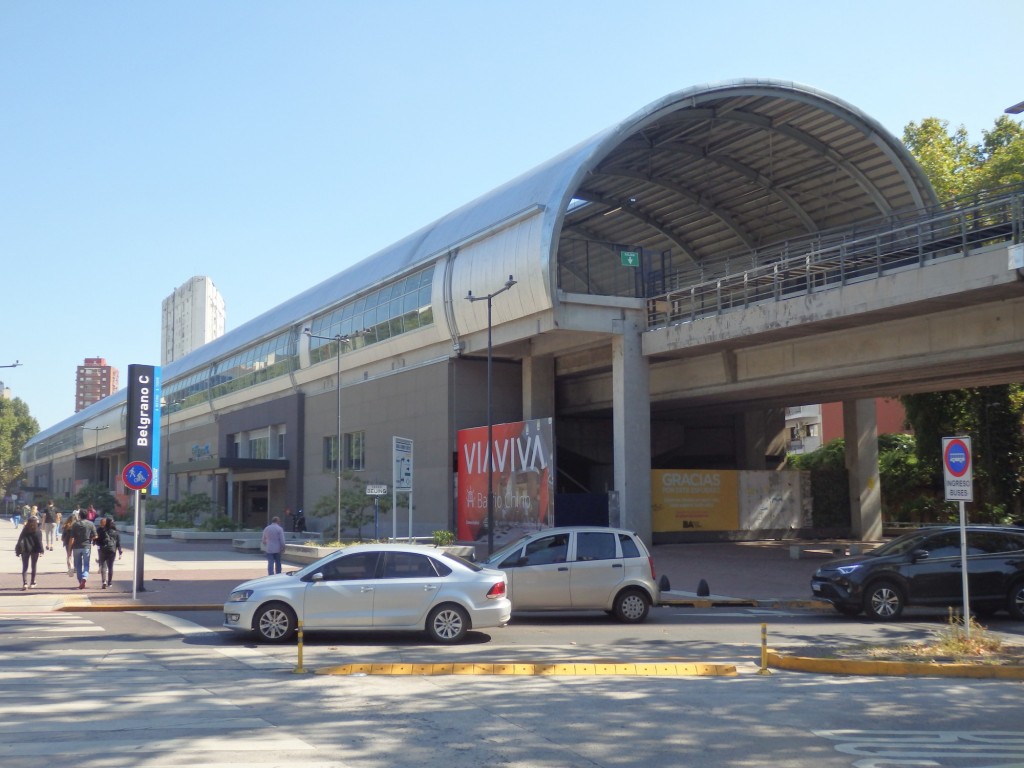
630, 258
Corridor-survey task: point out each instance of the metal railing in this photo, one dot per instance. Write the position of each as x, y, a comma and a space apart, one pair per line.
832, 261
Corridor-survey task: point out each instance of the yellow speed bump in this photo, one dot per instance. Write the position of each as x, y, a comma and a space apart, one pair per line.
549, 669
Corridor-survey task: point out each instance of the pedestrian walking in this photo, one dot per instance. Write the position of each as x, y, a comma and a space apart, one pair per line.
108, 543
273, 545
49, 521
65, 537
58, 524
83, 534
29, 548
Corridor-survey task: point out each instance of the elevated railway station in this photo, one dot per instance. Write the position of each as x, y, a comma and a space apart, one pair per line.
675, 282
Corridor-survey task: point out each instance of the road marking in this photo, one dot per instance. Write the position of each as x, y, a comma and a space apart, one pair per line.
252, 657
927, 748
45, 626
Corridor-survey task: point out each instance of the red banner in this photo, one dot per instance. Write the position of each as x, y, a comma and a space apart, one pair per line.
523, 479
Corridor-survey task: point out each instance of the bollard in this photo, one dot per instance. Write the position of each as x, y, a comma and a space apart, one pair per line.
764, 651
299, 669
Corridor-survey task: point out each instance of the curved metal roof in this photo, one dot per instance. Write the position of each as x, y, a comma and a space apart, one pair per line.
719, 171
710, 172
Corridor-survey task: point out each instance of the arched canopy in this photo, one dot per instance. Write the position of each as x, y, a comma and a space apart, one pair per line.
717, 172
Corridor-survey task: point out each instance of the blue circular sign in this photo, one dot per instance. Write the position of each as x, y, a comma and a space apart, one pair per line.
957, 458
137, 475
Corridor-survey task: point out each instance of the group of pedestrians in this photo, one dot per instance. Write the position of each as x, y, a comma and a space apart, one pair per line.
83, 530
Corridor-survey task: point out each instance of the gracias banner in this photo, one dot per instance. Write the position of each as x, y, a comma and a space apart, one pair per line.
524, 476
694, 500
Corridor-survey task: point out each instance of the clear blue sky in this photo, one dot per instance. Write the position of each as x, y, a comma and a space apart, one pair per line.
270, 145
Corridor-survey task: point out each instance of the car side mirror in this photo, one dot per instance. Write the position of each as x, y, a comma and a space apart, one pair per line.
523, 561
318, 576
919, 554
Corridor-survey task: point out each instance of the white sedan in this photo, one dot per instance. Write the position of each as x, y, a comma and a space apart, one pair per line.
374, 586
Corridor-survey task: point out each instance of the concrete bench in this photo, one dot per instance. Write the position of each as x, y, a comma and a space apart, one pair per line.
246, 545
826, 548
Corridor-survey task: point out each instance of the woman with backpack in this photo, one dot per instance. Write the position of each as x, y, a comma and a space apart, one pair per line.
108, 539
29, 548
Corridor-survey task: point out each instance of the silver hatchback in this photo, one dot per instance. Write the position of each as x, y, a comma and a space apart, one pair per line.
580, 568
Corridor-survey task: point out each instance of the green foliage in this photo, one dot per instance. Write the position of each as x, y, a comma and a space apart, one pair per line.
16, 428
956, 166
909, 492
219, 523
992, 417
443, 538
98, 496
356, 506
832, 455
184, 512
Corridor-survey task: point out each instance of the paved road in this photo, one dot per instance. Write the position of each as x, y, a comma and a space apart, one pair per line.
113, 700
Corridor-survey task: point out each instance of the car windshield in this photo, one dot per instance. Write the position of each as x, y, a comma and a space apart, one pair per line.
901, 545
505, 551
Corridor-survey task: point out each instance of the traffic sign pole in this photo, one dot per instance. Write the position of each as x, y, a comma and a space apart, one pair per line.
958, 476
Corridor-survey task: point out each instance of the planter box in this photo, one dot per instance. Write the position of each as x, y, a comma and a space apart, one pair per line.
190, 534
306, 553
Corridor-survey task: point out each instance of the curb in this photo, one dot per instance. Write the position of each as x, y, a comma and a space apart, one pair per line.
893, 668
112, 607
547, 669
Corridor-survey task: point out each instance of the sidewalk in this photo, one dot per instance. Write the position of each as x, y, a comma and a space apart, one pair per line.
200, 575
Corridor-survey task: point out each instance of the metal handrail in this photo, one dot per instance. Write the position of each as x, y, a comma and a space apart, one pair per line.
832, 261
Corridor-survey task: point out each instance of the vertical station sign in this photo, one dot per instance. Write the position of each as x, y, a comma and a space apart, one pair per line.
142, 431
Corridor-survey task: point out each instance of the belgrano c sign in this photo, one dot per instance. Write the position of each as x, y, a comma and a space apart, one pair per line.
142, 431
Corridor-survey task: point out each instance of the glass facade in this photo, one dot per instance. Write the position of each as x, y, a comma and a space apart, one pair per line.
396, 308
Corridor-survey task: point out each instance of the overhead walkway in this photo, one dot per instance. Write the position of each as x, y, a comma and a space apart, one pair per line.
810, 265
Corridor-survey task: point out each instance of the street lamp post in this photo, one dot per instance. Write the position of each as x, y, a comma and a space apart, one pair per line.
488, 454
96, 453
339, 338
15, 364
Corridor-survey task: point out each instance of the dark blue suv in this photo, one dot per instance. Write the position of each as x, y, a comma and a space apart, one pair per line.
924, 567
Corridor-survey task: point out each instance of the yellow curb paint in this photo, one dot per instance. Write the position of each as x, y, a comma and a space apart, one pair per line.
651, 669
894, 668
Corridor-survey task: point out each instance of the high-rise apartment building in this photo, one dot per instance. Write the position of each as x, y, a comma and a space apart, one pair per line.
94, 381
192, 316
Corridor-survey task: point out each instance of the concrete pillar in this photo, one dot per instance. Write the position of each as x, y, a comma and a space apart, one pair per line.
751, 442
860, 433
538, 387
631, 428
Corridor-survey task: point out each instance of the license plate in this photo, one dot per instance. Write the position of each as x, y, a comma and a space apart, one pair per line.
816, 587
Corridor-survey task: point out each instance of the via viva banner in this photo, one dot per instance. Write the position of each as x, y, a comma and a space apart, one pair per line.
524, 477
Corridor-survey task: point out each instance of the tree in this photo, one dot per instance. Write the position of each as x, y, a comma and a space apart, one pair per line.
992, 416
957, 167
16, 428
356, 506
96, 495
184, 512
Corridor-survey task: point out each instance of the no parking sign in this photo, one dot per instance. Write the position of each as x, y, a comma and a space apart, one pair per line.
957, 469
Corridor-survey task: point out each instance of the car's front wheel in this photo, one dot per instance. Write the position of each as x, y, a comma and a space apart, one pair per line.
275, 622
631, 606
884, 601
447, 624
1015, 601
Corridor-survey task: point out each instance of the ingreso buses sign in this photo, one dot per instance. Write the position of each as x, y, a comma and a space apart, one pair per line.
957, 469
